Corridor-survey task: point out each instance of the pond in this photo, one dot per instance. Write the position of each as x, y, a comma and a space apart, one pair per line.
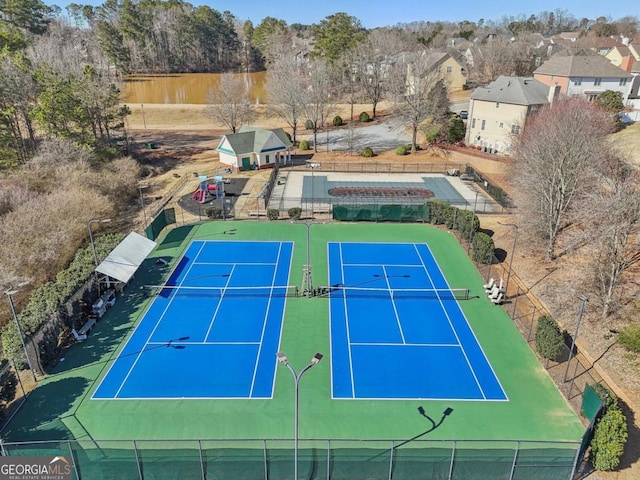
182, 88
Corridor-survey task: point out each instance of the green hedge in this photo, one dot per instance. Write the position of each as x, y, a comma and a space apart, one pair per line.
273, 214
483, 248
46, 299
363, 117
549, 338
610, 435
295, 213
629, 338
367, 152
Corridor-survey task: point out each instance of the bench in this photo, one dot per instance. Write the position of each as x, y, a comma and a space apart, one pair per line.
77, 336
86, 328
321, 209
257, 213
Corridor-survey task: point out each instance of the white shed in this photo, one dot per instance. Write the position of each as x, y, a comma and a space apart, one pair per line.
254, 148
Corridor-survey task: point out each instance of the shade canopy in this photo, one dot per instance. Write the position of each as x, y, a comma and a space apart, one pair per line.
124, 260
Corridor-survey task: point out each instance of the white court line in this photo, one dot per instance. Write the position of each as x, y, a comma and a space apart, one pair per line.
215, 312
449, 320
471, 329
202, 343
387, 344
346, 321
264, 321
393, 303
237, 263
156, 327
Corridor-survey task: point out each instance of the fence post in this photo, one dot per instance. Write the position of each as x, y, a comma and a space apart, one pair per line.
515, 459
202, 469
135, 451
265, 458
515, 305
533, 316
393, 447
453, 456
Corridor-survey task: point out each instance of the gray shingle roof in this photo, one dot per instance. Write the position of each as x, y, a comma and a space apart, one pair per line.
252, 139
513, 90
581, 66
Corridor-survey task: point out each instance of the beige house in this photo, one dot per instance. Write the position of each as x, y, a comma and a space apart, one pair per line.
500, 110
446, 65
254, 148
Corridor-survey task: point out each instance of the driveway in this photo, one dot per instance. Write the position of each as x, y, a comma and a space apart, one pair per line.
380, 136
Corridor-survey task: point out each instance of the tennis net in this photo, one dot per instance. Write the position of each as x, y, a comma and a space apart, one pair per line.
278, 291
396, 294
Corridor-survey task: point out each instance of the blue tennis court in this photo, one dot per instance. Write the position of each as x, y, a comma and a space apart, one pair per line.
397, 329
212, 331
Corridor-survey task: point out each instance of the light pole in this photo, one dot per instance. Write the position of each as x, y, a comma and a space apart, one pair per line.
93, 245
312, 166
144, 213
308, 271
513, 251
9, 294
575, 335
282, 358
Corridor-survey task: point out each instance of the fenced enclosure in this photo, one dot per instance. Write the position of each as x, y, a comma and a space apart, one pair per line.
317, 459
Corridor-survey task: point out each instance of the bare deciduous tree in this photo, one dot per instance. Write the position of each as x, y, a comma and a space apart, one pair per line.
410, 86
229, 103
286, 90
318, 106
615, 223
554, 160
371, 63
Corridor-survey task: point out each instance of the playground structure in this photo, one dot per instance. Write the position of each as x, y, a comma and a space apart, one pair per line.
208, 191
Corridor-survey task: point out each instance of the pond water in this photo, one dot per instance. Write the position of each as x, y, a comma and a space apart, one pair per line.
184, 87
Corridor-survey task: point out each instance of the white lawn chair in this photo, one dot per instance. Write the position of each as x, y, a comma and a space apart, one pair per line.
489, 286
501, 287
77, 336
495, 291
498, 299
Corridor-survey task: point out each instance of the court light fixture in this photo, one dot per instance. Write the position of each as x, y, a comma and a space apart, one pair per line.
282, 358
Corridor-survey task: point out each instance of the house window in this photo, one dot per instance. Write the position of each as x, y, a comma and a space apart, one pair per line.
623, 82
597, 81
483, 124
473, 123
501, 125
515, 129
497, 104
267, 159
449, 69
577, 81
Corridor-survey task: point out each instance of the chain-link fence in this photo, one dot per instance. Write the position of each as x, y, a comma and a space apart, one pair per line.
316, 459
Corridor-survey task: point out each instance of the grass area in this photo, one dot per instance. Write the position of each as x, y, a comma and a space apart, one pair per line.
61, 407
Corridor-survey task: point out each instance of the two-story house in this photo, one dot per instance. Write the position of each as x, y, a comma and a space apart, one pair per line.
500, 110
584, 75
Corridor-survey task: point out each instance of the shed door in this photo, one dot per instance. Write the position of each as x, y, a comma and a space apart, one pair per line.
246, 163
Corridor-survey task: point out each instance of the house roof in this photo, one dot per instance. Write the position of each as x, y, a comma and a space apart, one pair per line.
513, 90
254, 140
581, 66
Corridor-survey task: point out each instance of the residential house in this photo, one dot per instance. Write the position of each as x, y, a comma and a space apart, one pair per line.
500, 110
254, 148
584, 75
450, 66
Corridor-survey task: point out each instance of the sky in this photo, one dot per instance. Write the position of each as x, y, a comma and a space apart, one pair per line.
381, 13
